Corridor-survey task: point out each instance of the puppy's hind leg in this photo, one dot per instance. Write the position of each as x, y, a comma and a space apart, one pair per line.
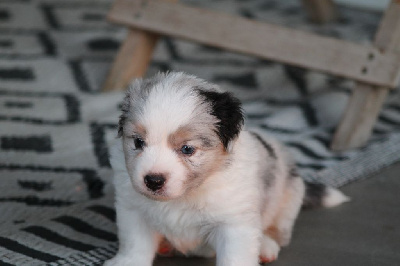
279, 233
282, 227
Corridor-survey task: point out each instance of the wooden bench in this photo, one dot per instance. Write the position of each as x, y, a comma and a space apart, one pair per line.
375, 68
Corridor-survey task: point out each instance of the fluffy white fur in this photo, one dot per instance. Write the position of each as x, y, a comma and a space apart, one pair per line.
242, 207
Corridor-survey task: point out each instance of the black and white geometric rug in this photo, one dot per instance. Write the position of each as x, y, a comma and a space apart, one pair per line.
56, 202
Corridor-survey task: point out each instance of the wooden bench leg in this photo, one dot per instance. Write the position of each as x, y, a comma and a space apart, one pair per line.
366, 101
359, 118
132, 59
320, 11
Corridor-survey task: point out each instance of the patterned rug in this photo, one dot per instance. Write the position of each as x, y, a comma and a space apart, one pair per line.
55, 124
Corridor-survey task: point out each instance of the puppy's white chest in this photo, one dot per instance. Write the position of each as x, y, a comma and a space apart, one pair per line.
184, 228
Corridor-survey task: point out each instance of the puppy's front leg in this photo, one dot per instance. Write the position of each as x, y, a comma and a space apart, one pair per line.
237, 245
137, 241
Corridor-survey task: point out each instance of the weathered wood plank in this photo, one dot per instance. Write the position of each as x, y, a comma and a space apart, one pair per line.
133, 58
387, 37
131, 61
359, 117
345, 59
366, 101
320, 11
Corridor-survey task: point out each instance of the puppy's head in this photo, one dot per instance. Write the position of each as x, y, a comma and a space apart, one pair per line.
176, 130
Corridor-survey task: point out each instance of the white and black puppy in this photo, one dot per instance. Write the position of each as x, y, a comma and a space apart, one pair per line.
186, 171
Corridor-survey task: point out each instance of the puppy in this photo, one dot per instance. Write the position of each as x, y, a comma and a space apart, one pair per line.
186, 171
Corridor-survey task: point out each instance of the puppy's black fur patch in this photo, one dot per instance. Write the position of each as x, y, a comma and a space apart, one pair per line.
314, 195
124, 114
228, 110
266, 145
293, 172
138, 94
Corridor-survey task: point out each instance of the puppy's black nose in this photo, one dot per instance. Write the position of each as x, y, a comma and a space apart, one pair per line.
154, 182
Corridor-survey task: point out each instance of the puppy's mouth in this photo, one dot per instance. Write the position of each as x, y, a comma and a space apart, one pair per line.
159, 195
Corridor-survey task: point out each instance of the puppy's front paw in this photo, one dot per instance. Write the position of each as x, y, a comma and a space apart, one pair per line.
269, 250
123, 260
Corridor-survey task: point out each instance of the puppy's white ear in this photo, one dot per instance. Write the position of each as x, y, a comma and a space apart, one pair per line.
228, 111
132, 92
124, 113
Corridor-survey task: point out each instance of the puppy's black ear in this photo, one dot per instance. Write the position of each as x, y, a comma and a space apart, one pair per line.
228, 110
124, 114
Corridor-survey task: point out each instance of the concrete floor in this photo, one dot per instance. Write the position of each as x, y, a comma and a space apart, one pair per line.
365, 231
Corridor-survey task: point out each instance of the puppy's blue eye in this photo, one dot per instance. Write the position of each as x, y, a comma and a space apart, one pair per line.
139, 143
188, 150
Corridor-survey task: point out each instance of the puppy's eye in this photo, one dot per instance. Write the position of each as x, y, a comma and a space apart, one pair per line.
188, 150
139, 143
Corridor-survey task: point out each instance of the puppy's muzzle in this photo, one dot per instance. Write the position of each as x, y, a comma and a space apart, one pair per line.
154, 182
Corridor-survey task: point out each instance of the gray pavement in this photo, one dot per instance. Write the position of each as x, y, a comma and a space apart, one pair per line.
363, 232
